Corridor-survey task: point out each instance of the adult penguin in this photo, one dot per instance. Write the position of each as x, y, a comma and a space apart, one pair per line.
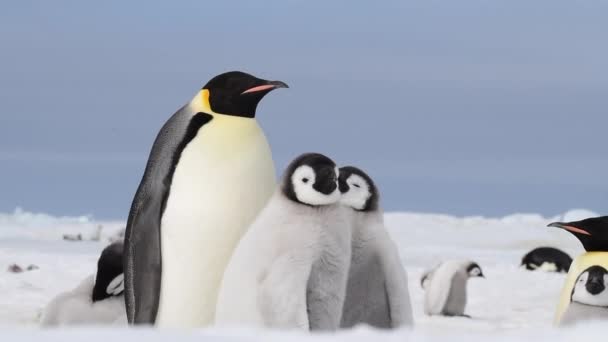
209, 173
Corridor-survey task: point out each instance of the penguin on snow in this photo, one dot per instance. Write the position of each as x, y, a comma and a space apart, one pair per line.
209, 174
377, 292
290, 269
97, 300
589, 299
446, 287
547, 259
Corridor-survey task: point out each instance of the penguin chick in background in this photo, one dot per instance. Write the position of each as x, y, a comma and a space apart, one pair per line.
592, 232
377, 291
446, 287
589, 299
97, 300
290, 268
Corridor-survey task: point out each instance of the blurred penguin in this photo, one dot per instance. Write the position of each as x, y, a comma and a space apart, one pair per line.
547, 259
446, 287
97, 299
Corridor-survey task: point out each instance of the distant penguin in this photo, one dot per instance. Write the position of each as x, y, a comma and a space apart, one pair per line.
446, 287
547, 259
589, 299
377, 291
290, 269
97, 300
591, 232
209, 174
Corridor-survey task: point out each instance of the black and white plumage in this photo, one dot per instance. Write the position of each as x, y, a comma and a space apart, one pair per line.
377, 291
589, 299
591, 232
446, 287
290, 269
98, 299
209, 174
547, 259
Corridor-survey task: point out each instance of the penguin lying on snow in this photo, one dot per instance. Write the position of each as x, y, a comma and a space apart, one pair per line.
589, 299
97, 300
377, 292
547, 259
209, 174
290, 268
446, 287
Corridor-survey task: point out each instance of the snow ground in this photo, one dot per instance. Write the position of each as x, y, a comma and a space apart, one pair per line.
511, 303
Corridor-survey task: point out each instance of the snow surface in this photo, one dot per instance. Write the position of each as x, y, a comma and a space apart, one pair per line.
510, 303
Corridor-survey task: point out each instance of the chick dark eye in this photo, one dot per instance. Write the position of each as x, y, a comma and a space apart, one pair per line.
305, 180
356, 185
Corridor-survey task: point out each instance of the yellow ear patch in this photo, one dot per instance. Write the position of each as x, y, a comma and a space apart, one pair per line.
201, 103
579, 265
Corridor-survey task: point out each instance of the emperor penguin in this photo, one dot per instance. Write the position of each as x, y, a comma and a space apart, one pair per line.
446, 287
377, 289
591, 232
589, 299
209, 173
97, 299
547, 259
290, 269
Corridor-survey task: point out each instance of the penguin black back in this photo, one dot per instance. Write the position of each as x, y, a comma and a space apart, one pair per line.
547, 256
591, 232
109, 269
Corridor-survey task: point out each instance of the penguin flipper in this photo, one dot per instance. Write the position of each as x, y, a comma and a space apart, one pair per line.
396, 287
142, 250
282, 294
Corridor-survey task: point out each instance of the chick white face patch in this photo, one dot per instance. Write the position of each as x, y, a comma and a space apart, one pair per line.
358, 192
582, 295
303, 179
117, 285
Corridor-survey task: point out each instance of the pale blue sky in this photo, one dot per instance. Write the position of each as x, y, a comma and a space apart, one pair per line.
460, 107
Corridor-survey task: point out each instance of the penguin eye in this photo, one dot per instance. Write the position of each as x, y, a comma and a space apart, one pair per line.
356, 185
305, 180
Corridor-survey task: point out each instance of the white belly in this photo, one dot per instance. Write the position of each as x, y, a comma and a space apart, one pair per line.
224, 178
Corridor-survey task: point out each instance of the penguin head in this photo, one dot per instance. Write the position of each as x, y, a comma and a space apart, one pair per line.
311, 179
109, 280
590, 287
358, 189
237, 93
473, 270
592, 232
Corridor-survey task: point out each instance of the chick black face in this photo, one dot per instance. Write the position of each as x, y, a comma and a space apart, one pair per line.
358, 189
590, 287
474, 270
592, 232
238, 93
311, 179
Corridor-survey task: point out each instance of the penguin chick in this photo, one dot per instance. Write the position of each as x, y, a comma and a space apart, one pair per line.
592, 232
589, 299
548, 259
97, 299
290, 269
446, 287
377, 292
